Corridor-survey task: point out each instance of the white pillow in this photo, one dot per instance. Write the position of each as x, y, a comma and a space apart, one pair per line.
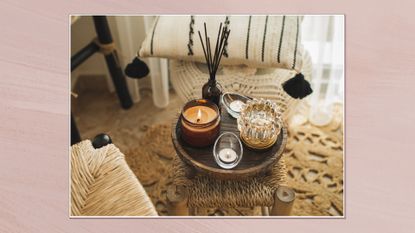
258, 41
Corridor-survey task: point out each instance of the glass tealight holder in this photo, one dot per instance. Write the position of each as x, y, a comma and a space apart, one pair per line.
228, 150
259, 124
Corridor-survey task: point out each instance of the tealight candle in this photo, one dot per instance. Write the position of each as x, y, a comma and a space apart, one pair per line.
227, 150
227, 155
200, 123
236, 105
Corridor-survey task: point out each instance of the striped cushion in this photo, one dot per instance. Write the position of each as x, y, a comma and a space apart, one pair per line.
258, 41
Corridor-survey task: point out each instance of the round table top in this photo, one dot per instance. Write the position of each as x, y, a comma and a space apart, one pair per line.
253, 162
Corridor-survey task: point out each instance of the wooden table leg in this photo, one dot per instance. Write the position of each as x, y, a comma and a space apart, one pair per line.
265, 210
283, 201
192, 211
177, 199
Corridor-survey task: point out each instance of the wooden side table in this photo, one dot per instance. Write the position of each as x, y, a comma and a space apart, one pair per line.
201, 159
259, 179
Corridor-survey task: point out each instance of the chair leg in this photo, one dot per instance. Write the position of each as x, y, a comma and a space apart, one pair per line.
112, 60
177, 201
75, 137
283, 201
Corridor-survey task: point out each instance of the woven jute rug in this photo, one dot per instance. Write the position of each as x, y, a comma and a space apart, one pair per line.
314, 158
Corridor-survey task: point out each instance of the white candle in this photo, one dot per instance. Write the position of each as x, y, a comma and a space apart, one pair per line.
236, 105
227, 155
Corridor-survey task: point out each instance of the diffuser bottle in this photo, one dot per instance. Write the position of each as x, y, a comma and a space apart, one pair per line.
212, 91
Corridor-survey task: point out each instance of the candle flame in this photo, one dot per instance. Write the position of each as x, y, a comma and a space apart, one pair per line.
199, 115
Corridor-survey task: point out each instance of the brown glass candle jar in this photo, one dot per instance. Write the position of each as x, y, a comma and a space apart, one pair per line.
200, 122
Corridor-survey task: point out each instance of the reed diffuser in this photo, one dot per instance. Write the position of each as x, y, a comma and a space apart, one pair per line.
212, 90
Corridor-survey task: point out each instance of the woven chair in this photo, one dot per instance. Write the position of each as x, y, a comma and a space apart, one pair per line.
102, 184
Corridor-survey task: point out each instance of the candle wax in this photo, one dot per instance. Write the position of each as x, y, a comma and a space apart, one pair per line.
200, 114
227, 155
236, 105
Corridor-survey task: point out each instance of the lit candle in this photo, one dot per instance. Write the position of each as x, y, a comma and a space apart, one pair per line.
200, 123
200, 114
236, 105
227, 155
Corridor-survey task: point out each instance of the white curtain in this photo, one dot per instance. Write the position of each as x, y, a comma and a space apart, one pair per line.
323, 37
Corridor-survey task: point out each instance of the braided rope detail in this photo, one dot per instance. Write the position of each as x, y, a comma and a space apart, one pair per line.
105, 49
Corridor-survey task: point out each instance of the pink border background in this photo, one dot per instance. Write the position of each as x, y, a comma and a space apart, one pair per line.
34, 125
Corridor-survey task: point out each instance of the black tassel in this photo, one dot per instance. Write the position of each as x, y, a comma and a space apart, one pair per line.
136, 69
297, 87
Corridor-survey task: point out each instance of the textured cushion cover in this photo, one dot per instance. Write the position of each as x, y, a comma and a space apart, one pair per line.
258, 41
